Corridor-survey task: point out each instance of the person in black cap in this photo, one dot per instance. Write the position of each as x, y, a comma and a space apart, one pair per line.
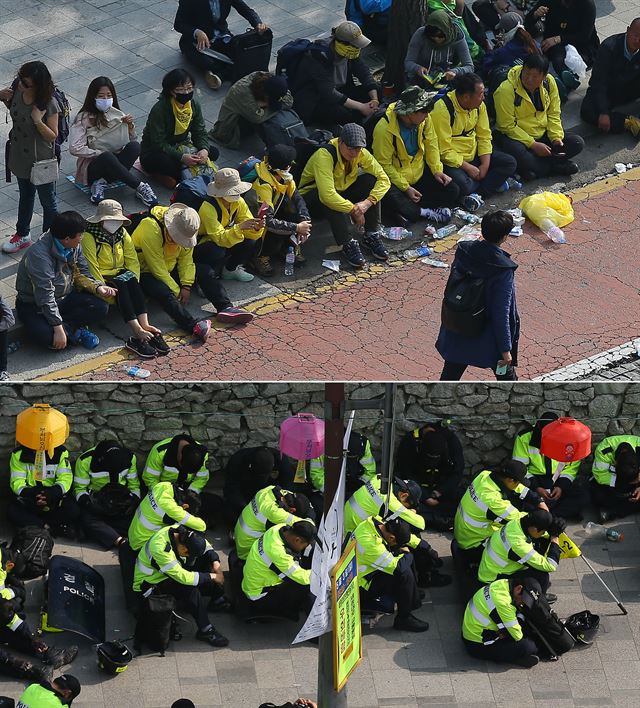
287, 219
250, 102
432, 455
60, 692
178, 459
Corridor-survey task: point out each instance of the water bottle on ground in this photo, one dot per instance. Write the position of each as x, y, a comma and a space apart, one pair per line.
137, 372
397, 233
598, 531
554, 232
418, 252
289, 262
445, 231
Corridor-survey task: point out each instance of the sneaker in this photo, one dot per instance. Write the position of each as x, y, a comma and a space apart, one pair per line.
632, 124
410, 623
85, 338
441, 215
201, 329
97, 190
353, 255
4, 376
504, 187
57, 656
472, 202
238, 274
212, 80
528, 661
213, 637
146, 195
570, 80
16, 243
234, 315
514, 184
373, 243
158, 343
262, 266
566, 168
140, 347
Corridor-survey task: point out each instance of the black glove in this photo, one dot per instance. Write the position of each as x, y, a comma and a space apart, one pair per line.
53, 494
84, 501
436, 561
558, 525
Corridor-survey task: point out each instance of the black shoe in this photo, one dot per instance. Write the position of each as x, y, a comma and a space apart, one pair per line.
212, 637
410, 623
353, 254
550, 597
57, 656
158, 343
434, 579
141, 348
373, 243
527, 661
565, 168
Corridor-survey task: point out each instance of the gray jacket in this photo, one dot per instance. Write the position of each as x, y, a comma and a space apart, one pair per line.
45, 277
422, 52
7, 319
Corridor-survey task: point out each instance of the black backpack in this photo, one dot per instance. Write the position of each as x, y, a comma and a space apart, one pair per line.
154, 627
371, 121
305, 148
463, 305
35, 546
291, 54
283, 128
137, 217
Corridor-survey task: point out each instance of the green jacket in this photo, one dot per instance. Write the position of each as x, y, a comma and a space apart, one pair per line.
161, 465
23, 473
158, 560
510, 550
157, 510
483, 509
262, 511
562, 474
37, 696
604, 458
86, 480
373, 553
159, 131
490, 611
268, 563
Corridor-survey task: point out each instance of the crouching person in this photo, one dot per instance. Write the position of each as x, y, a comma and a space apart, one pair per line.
56, 694
490, 628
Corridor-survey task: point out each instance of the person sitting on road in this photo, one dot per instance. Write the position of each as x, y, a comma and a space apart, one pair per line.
175, 145
163, 567
345, 183
323, 87
250, 102
107, 489
60, 692
112, 260
614, 82
178, 459
287, 218
406, 146
464, 137
437, 53
615, 480
529, 122
202, 25
57, 297
103, 138
372, 16
491, 630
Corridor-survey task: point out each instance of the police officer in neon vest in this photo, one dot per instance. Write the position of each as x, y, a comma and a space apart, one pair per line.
527, 545
60, 692
490, 627
554, 481
172, 456
615, 481
493, 498
273, 581
385, 568
432, 455
270, 506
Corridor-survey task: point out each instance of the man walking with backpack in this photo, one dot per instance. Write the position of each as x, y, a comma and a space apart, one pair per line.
480, 323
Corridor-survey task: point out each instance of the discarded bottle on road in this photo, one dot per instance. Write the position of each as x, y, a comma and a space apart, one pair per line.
466, 216
289, 262
418, 252
598, 531
445, 231
397, 233
554, 232
137, 372
434, 262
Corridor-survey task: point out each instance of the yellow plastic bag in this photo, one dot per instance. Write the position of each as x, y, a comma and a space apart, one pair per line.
550, 206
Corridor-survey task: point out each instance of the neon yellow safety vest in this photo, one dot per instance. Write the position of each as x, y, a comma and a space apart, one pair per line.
85, 480
604, 458
482, 510
534, 460
23, 473
373, 552
269, 563
488, 612
37, 696
155, 469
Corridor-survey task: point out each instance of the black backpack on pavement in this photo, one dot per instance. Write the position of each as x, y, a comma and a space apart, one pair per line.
542, 625
463, 305
155, 624
35, 546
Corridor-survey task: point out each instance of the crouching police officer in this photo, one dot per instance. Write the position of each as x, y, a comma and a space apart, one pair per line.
386, 568
177, 458
58, 693
490, 628
160, 568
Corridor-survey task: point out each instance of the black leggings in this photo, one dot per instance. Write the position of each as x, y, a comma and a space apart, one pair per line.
113, 166
130, 298
158, 163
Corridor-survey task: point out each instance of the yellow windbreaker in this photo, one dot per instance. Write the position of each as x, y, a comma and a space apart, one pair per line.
219, 223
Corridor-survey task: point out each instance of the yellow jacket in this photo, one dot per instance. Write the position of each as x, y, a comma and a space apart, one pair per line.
389, 150
105, 260
160, 258
330, 177
468, 137
270, 190
523, 122
220, 224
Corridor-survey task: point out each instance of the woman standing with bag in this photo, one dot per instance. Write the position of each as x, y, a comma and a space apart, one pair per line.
34, 114
103, 139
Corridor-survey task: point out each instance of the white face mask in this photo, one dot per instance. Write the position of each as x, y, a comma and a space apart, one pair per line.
111, 225
284, 175
104, 104
232, 197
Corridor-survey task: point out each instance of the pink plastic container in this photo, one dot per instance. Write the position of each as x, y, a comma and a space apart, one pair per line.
302, 437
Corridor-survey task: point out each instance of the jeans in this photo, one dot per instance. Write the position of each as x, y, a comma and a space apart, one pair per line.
76, 310
47, 197
452, 371
539, 166
113, 166
434, 195
501, 167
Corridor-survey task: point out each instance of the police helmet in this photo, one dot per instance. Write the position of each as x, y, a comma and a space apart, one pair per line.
113, 657
583, 626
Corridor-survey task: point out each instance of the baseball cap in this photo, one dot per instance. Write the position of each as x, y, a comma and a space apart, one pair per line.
531, 591
353, 135
350, 33
514, 469
70, 683
280, 157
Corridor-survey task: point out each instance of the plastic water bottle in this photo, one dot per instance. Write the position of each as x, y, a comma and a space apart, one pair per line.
445, 231
397, 233
137, 372
289, 262
418, 252
554, 232
598, 531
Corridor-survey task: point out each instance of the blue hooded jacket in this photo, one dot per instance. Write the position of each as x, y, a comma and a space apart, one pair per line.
486, 260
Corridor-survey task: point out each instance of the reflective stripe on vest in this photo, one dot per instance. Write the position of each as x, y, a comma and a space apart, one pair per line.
485, 509
506, 544
472, 522
15, 623
152, 472
249, 531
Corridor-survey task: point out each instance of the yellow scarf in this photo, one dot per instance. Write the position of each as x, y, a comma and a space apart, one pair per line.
346, 50
183, 115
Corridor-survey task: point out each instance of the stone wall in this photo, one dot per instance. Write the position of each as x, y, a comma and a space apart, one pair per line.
228, 416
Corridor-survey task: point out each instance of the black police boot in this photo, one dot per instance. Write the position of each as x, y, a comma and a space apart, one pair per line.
410, 623
213, 637
527, 661
57, 656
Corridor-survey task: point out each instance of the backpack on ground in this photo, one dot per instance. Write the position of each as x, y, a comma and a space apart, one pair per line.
306, 148
247, 168
283, 128
250, 51
290, 55
192, 191
154, 626
463, 305
542, 625
35, 546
